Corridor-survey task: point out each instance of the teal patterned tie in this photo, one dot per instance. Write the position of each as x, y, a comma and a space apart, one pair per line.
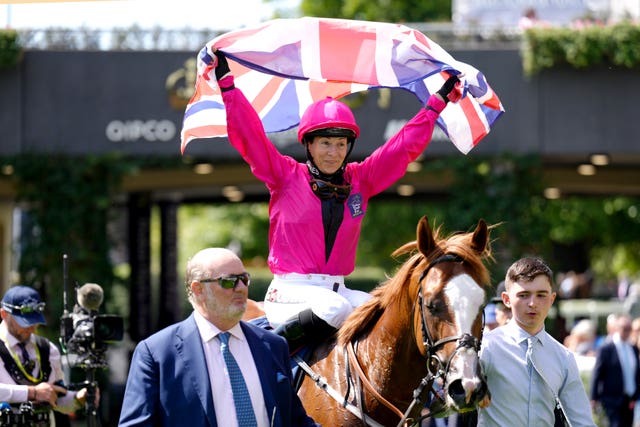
244, 409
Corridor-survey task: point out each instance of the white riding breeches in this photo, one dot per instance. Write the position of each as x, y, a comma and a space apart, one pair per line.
327, 296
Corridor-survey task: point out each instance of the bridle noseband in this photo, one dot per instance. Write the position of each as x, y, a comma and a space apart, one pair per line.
465, 340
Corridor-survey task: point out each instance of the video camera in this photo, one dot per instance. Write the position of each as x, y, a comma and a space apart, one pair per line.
85, 334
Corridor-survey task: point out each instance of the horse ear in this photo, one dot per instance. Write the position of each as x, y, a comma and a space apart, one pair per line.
480, 237
426, 243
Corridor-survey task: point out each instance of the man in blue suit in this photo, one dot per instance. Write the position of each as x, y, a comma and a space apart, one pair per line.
615, 381
178, 376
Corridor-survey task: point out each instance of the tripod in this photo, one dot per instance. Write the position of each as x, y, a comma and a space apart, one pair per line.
93, 420
89, 366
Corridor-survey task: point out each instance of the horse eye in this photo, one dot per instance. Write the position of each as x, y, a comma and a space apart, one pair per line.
434, 307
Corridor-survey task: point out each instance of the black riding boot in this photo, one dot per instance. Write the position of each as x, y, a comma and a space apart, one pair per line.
304, 328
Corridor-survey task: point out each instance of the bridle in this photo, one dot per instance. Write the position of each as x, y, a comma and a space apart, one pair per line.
435, 370
464, 341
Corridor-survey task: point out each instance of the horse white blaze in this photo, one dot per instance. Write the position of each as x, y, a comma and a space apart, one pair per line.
466, 298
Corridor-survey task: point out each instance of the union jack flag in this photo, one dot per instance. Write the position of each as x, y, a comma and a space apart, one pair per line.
284, 65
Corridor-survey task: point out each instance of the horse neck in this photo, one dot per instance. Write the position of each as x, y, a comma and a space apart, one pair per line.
389, 355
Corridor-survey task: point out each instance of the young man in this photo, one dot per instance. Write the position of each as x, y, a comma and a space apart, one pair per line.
524, 386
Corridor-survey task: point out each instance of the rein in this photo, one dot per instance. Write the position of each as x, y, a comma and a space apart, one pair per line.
425, 383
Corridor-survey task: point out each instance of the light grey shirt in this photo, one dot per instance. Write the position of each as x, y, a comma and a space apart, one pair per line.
519, 394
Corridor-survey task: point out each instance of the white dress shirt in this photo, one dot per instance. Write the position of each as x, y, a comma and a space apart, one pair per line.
519, 395
219, 378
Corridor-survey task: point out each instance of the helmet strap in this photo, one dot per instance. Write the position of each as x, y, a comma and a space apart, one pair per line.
335, 178
352, 143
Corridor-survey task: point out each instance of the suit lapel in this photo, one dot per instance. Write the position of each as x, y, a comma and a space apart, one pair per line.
189, 348
264, 365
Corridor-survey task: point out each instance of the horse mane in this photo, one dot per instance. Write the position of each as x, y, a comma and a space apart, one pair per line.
394, 288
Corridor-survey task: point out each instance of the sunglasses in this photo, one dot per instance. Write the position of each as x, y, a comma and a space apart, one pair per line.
327, 190
29, 308
230, 281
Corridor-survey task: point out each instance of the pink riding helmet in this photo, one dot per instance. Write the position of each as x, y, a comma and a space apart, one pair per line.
328, 114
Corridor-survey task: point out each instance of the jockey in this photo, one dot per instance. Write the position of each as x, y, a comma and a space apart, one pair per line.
316, 208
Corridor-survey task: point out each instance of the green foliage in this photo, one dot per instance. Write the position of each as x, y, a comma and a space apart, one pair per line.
502, 190
388, 225
381, 11
610, 227
10, 50
65, 203
615, 45
244, 226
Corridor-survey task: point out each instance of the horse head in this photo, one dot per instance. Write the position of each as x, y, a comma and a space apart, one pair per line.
452, 279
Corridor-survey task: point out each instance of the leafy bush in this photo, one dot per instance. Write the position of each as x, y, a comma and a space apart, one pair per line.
589, 46
10, 50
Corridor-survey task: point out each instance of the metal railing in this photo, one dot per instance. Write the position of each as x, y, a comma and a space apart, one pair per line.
135, 38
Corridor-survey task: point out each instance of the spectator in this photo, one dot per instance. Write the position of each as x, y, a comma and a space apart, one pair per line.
615, 381
632, 301
624, 285
634, 339
530, 19
581, 340
610, 326
568, 285
503, 313
490, 321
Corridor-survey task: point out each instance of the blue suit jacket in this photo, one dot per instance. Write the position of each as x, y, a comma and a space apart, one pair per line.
168, 383
606, 378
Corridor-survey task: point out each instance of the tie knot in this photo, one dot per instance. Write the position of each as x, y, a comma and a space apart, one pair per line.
224, 337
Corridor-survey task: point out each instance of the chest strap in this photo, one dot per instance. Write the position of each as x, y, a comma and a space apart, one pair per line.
12, 367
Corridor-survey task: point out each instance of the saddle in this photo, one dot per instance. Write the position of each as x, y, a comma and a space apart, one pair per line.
303, 352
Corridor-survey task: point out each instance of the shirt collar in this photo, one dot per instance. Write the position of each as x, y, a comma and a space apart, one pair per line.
519, 335
209, 331
617, 340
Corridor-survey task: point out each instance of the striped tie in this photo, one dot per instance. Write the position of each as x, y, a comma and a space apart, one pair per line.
244, 409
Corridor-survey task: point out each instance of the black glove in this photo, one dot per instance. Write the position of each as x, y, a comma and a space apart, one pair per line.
222, 68
444, 91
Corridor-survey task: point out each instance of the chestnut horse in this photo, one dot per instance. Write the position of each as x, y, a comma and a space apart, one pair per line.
415, 341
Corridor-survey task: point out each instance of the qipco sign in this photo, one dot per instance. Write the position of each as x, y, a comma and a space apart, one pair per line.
134, 130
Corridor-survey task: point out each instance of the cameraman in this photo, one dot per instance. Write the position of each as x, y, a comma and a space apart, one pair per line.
30, 365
